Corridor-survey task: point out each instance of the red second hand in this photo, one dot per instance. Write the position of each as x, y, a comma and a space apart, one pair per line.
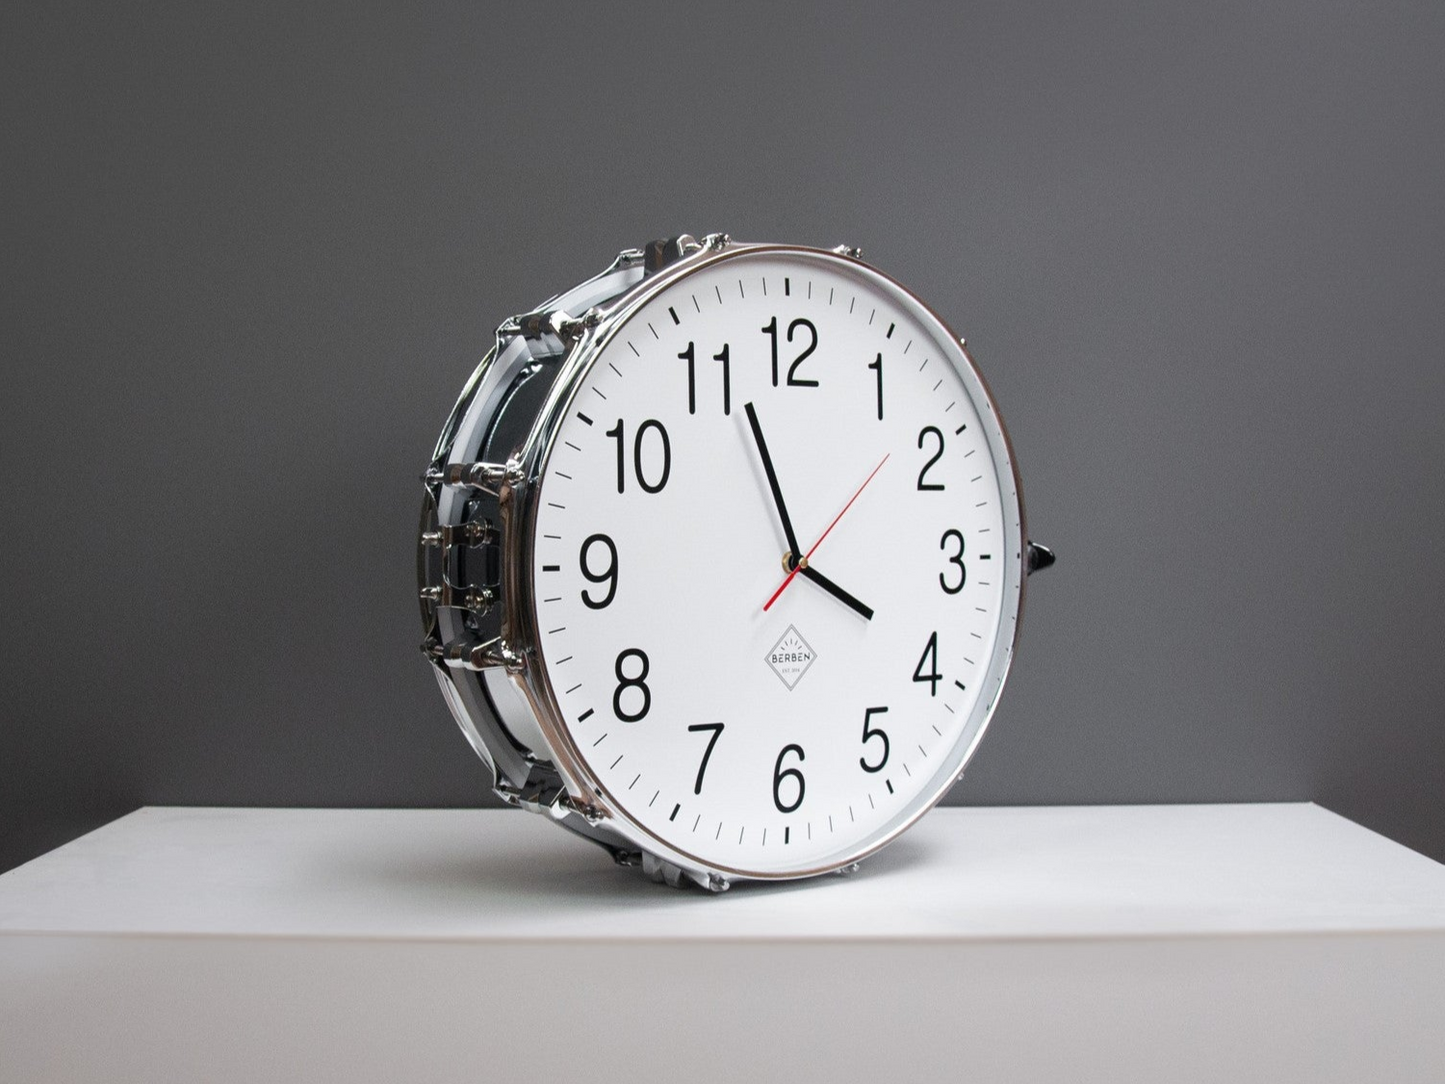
768, 605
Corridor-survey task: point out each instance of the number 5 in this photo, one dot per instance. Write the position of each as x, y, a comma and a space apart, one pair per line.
870, 733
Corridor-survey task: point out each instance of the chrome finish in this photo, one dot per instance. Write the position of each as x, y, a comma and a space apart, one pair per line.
486, 466
462, 534
480, 600
467, 654
488, 477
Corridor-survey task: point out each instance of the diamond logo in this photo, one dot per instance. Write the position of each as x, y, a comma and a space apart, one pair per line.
790, 657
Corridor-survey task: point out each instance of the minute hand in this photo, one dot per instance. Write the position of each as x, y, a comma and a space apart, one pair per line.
793, 548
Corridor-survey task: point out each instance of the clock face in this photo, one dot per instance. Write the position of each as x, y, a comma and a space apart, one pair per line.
776, 561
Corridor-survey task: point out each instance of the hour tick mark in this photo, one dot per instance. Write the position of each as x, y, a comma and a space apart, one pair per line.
583, 418
961, 685
787, 833
675, 808
585, 716
551, 568
673, 313
890, 331
787, 287
889, 784
959, 430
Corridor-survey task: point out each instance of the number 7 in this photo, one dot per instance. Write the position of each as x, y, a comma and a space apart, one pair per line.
717, 729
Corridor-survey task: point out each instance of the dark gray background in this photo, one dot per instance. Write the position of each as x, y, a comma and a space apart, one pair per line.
250, 256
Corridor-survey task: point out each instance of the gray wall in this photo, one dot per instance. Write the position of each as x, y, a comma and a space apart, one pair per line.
249, 258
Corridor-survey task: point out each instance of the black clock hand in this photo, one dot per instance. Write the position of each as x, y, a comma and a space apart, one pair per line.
793, 549
837, 592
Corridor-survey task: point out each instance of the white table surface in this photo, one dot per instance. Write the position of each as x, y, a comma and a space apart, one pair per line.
1271, 942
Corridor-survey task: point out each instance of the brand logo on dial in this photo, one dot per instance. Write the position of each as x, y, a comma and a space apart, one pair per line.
790, 657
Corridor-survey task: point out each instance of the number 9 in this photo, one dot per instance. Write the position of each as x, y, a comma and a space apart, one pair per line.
608, 576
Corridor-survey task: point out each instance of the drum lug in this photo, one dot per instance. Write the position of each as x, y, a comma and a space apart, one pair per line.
479, 600
490, 478
475, 533
468, 653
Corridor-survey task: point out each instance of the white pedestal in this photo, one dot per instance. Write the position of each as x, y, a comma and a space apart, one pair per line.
1165, 943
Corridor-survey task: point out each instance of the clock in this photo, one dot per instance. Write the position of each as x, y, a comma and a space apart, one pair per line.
722, 559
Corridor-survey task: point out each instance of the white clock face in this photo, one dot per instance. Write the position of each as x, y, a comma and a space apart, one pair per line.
754, 712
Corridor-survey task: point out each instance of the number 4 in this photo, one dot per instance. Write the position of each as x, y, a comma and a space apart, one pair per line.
929, 656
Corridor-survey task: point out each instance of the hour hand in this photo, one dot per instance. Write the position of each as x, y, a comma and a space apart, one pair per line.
762, 444
837, 592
